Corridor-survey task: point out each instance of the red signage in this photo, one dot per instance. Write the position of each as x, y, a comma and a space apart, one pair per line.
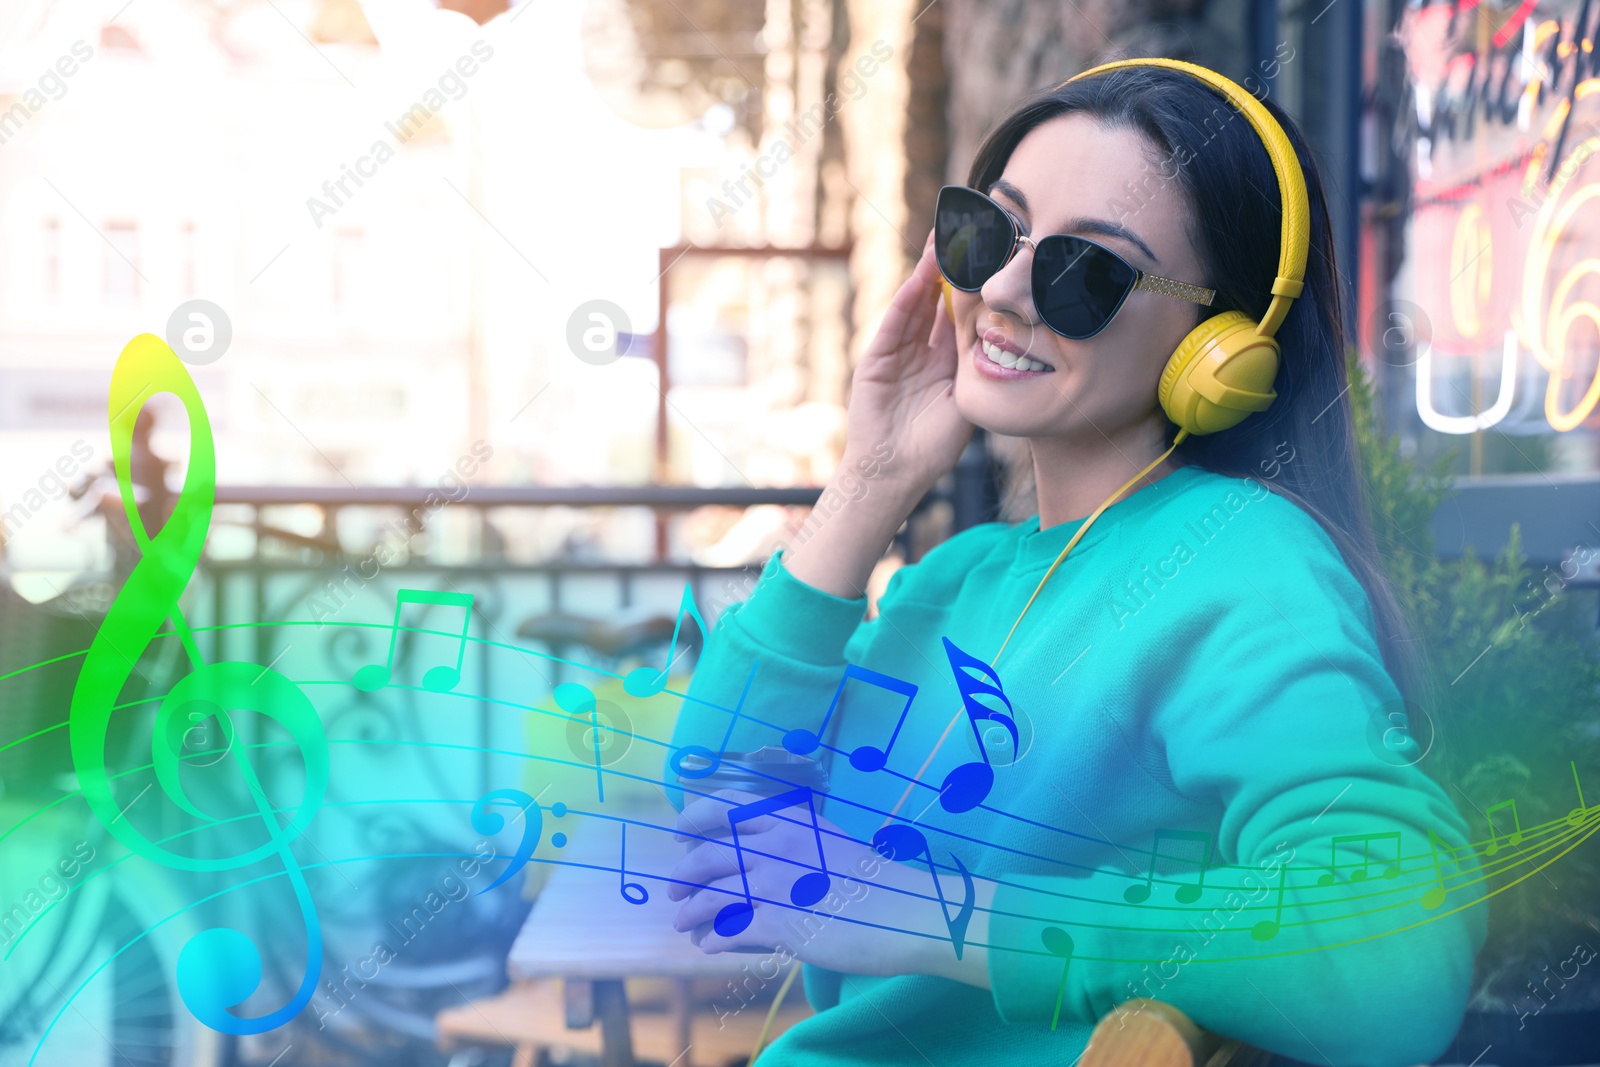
1506, 229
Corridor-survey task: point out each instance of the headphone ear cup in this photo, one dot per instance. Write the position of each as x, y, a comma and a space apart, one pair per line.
1220, 373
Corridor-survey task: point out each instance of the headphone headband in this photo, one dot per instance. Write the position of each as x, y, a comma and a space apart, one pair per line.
1294, 242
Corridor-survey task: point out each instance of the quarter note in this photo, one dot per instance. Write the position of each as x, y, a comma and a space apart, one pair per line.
1186, 894
867, 757
1331, 875
902, 842
622, 876
968, 785
807, 889
1577, 814
438, 679
1515, 837
645, 682
1267, 929
1057, 943
1435, 894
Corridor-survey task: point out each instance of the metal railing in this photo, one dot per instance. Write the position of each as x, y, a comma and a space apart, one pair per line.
314, 569
478, 551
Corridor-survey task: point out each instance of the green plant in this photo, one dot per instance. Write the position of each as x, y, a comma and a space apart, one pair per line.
1512, 671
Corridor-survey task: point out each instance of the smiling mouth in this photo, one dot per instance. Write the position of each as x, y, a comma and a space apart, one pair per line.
1003, 363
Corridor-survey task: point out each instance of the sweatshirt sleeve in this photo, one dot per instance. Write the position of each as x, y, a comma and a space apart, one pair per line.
786, 643
1269, 713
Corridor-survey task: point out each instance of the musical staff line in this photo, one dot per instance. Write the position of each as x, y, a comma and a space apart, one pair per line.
664, 744
1558, 826
1583, 834
1323, 947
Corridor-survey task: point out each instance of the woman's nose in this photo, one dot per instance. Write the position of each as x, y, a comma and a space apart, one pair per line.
1011, 287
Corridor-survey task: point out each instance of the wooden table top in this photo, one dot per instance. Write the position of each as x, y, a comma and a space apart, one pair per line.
581, 927
530, 1012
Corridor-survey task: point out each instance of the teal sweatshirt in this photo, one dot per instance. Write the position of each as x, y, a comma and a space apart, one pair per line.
1199, 682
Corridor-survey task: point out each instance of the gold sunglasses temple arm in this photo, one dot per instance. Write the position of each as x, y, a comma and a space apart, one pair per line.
1182, 290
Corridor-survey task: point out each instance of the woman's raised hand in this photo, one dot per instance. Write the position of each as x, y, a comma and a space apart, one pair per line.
902, 393
904, 432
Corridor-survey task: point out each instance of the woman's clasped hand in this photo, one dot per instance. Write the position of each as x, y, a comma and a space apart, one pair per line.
855, 909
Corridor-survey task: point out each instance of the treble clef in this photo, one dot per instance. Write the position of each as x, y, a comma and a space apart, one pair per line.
220, 967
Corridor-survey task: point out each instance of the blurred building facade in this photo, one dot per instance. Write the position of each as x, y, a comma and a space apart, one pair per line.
614, 150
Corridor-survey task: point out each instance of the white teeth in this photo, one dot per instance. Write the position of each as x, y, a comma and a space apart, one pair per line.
1011, 359
999, 355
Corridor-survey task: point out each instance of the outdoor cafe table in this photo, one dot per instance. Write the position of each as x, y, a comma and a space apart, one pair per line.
583, 932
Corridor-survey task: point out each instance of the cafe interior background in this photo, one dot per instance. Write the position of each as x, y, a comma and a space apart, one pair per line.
553, 306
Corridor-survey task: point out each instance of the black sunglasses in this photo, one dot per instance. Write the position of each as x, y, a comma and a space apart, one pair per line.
1078, 285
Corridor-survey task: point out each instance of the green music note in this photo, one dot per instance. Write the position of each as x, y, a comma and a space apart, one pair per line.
1267, 929
1436, 894
1186, 894
1392, 870
1577, 814
1515, 837
1058, 943
438, 679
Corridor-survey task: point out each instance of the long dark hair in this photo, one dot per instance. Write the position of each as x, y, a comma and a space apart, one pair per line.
1207, 152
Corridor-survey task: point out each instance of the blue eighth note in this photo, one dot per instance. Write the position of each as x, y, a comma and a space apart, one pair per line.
968, 785
807, 889
867, 757
644, 682
902, 842
712, 760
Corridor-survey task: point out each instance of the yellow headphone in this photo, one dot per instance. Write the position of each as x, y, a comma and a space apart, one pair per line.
1224, 368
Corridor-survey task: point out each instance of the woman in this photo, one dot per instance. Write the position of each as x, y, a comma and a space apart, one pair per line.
1186, 793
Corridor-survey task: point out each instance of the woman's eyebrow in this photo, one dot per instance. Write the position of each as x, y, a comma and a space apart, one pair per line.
1011, 192
1107, 228
1084, 225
